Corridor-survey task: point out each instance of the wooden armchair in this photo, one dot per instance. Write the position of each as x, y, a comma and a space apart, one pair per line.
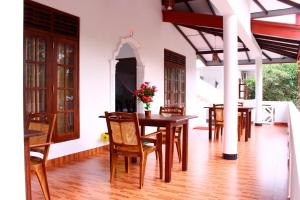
218, 110
126, 140
40, 145
178, 130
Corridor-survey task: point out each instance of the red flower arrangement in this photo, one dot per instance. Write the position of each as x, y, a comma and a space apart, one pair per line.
145, 94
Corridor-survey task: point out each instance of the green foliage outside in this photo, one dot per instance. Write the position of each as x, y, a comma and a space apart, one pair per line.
280, 83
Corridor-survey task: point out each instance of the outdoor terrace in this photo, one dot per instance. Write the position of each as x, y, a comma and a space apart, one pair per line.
260, 172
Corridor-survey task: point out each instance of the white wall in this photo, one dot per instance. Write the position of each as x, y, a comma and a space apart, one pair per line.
102, 24
11, 102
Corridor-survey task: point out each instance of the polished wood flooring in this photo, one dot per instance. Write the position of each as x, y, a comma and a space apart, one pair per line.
260, 172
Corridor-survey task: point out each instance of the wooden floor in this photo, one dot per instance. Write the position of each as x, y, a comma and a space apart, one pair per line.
259, 173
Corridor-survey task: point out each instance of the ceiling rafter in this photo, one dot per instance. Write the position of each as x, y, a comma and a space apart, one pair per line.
267, 56
279, 44
279, 47
261, 6
222, 51
188, 40
201, 33
290, 3
292, 41
252, 61
211, 7
274, 13
247, 54
281, 52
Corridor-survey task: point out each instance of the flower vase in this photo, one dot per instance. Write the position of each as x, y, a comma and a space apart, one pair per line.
147, 113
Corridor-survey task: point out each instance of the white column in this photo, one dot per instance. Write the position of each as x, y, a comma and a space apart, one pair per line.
258, 91
11, 101
230, 87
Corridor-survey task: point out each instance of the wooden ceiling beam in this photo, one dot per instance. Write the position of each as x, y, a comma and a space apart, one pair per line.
252, 61
267, 56
189, 41
274, 13
293, 50
290, 3
292, 41
261, 6
279, 44
188, 18
281, 52
258, 27
246, 52
221, 51
210, 7
282, 30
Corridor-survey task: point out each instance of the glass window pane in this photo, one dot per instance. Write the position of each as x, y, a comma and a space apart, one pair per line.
41, 50
70, 100
182, 87
30, 101
60, 100
69, 77
182, 100
70, 55
60, 77
60, 54
41, 95
29, 49
60, 123
30, 75
70, 122
41, 76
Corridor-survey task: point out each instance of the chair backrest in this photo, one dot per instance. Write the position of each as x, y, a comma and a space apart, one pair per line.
173, 110
44, 123
123, 130
218, 110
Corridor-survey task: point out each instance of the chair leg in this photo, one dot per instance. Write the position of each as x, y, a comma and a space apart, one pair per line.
159, 152
216, 132
142, 169
178, 147
113, 166
42, 177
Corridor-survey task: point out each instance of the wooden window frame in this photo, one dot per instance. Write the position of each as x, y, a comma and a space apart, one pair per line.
54, 36
178, 62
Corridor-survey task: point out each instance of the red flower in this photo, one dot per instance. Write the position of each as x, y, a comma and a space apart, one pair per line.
145, 94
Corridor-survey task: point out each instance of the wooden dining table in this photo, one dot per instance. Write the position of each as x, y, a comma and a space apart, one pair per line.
28, 134
246, 111
170, 123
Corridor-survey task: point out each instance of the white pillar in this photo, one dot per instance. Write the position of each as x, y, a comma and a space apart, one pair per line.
230, 87
11, 102
258, 91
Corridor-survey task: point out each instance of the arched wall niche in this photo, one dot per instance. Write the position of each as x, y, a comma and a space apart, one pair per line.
140, 68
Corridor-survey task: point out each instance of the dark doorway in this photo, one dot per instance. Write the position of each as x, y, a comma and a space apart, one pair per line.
125, 85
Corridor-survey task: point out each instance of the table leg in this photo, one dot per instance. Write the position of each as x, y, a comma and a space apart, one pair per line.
185, 147
210, 110
168, 157
247, 127
249, 123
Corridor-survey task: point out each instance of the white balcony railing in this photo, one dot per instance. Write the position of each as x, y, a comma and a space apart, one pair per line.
294, 151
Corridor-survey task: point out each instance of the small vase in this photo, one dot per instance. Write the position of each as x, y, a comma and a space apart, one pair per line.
147, 113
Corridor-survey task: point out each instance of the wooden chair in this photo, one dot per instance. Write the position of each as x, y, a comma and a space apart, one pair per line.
172, 110
40, 145
125, 140
218, 110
